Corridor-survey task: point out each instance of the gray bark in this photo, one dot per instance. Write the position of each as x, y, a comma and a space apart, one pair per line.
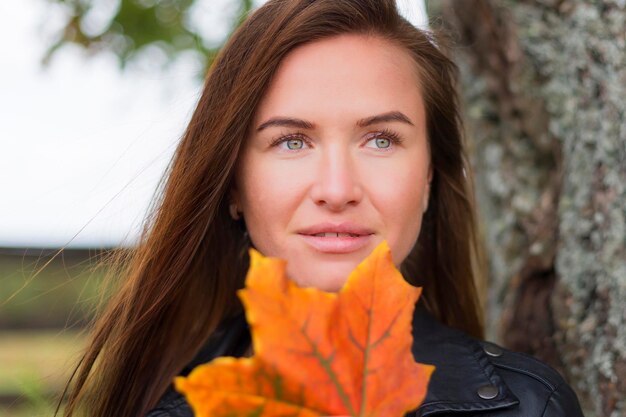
544, 90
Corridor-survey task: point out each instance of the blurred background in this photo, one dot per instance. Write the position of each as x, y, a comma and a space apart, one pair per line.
95, 95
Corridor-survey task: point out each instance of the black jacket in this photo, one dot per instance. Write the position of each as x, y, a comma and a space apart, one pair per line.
472, 378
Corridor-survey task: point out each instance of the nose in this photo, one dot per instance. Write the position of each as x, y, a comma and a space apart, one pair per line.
336, 184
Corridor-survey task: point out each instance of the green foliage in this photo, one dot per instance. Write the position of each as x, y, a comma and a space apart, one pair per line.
137, 24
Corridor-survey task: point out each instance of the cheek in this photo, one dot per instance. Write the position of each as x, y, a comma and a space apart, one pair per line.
397, 194
269, 198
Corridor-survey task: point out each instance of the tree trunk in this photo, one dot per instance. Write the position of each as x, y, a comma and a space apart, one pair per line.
544, 90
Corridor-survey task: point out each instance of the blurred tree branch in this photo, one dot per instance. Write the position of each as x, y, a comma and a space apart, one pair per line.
137, 24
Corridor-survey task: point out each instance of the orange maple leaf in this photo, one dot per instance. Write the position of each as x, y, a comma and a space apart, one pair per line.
318, 353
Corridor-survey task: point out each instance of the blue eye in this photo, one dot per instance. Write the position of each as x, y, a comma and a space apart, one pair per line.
383, 140
294, 144
381, 143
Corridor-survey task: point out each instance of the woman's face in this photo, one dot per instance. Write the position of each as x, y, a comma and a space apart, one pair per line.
322, 156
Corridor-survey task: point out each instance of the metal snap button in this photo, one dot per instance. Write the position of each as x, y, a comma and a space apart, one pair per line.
492, 350
487, 392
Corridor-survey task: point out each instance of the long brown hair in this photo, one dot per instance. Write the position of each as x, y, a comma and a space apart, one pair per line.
180, 279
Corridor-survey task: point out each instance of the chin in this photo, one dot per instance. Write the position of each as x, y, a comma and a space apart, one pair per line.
325, 276
328, 285
332, 286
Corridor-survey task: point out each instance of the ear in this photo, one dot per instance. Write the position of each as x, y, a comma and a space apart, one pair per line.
427, 189
234, 203
233, 196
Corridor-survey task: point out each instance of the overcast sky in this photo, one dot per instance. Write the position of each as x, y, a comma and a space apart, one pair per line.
82, 144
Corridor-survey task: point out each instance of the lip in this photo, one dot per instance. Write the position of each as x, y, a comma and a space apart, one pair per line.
343, 244
345, 227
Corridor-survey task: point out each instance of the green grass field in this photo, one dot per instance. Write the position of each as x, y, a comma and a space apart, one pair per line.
36, 366
41, 358
41, 319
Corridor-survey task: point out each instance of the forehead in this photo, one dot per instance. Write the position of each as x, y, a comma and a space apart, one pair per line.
345, 76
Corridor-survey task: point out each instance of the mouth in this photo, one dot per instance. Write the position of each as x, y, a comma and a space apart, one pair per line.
343, 237
333, 234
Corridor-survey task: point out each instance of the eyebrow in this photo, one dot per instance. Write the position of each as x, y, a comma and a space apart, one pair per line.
287, 122
392, 116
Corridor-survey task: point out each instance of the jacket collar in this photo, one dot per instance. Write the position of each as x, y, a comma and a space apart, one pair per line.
463, 369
